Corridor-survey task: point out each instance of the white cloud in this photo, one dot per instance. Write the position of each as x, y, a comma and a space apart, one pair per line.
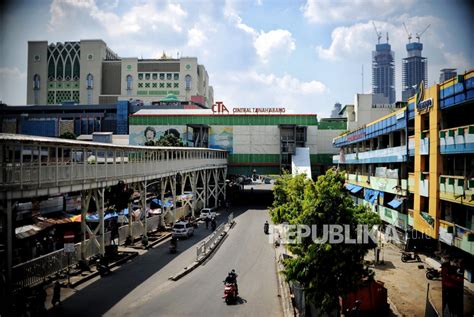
267, 45
12, 78
458, 61
322, 11
136, 19
237, 89
196, 37
274, 42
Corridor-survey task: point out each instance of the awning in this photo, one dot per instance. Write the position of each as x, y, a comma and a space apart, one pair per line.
368, 193
26, 231
395, 203
356, 189
374, 196
349, 186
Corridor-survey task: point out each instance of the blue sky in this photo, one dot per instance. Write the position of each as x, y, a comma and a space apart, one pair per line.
303, 55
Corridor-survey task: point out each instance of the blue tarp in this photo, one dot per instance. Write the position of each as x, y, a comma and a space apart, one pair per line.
368, 193
349, 186
374, 196
356, 189
395, 203
94, 218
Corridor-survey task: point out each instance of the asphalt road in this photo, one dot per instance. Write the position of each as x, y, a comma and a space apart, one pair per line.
142, 288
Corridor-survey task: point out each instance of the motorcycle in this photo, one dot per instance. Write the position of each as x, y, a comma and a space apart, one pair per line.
408, 256
432, 273
230, 293
173, 245
102, 268
265, 228
213, 224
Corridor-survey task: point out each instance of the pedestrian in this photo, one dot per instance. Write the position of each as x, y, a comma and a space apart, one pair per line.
207, 222
56, 294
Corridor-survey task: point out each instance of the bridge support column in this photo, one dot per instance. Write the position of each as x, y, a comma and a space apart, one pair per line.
143, 192
173, 193
98, 195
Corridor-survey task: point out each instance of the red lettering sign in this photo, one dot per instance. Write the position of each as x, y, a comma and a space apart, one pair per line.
219, 107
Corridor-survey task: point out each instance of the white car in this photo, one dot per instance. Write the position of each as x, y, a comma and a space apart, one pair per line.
182, 229
207, 213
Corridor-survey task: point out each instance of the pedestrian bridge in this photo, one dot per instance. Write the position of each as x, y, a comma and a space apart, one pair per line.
37, 167
33, 166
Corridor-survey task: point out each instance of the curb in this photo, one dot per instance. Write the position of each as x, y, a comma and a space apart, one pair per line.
195, 264
151, 244
284, 290
94, 274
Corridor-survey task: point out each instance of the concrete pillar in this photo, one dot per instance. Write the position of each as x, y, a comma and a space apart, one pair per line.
85, 200
143, 202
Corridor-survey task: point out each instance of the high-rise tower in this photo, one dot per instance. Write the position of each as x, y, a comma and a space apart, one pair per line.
383, 71
414, 70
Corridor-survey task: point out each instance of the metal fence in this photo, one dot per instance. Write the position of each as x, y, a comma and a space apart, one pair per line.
212, 240
38, 270
152, 224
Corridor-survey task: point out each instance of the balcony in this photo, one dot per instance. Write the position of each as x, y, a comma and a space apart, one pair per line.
394, 217
457, 189
410, 217
463, 239
384, 184
424, 184
388, 155
458, 140
411, 145
446, 230
424, 143
411, 182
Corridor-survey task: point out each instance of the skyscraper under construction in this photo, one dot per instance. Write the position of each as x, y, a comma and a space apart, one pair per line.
414, 70
383, 71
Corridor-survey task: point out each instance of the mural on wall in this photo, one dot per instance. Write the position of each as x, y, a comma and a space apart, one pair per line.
139, 134
221, 137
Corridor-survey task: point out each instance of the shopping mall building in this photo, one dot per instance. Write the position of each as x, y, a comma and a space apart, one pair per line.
264, 140
414, 167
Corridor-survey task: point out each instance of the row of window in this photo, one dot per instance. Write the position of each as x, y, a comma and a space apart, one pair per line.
155, 85
154, 76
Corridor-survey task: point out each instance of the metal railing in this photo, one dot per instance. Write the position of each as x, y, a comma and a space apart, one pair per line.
213, 239
33, 163
38, 270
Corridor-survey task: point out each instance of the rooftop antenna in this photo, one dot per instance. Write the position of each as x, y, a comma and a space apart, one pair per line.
409, 34
379, 34
418, 35
387, 37
177, 54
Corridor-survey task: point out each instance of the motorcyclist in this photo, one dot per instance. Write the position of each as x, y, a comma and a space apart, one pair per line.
213, 223
232, 279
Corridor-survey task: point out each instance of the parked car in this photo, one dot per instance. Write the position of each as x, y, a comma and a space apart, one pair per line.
207, 213
268, 181
182, 229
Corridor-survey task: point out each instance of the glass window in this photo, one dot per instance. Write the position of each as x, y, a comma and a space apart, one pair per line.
147, 76
176, 76
90, 81
155, 76
129, 82
140, 85
187, 81
147, 85
176, 85
155, 85
162, 85
168, 85
168, 76
140, 76
36, 82
162, 76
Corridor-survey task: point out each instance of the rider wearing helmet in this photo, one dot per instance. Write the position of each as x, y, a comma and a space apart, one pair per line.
232, 279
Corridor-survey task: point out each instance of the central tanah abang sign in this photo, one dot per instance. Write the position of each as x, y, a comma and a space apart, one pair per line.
220, 108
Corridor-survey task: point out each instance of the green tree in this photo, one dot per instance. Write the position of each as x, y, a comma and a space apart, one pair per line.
166, 140
68, 135
326, 271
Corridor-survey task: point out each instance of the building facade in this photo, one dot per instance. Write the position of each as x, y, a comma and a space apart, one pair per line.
414, 70
262, 142
89, 72
383, 71
414, 166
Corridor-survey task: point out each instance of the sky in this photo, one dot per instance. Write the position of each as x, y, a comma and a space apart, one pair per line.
304, 55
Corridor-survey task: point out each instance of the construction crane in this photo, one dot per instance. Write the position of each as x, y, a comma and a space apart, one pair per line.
418, 35
409, 34
379, 34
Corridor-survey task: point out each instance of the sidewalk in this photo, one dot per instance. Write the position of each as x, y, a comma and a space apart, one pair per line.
407, 284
